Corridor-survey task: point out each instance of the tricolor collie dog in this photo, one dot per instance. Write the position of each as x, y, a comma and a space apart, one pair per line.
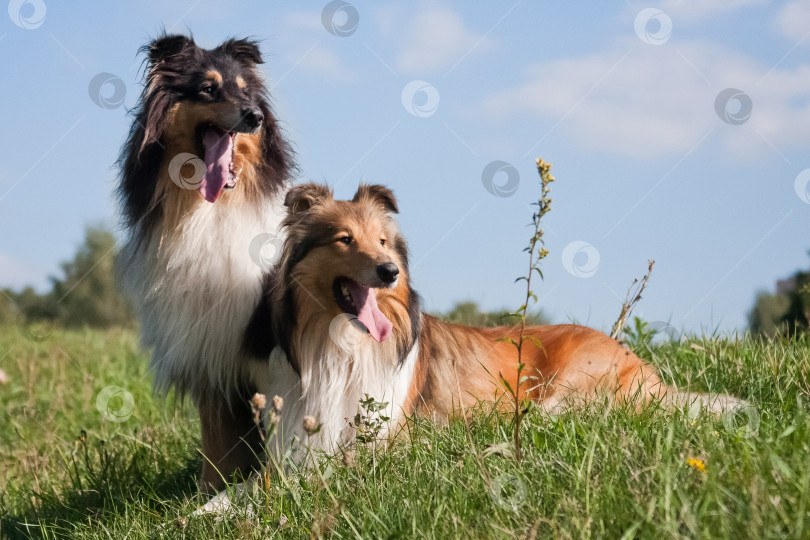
202, 175
348, 323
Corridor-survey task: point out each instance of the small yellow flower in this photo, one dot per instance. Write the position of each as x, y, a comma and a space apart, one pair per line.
697, 464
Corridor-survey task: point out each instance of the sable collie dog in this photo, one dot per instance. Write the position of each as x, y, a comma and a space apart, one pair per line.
348, 323
202, 175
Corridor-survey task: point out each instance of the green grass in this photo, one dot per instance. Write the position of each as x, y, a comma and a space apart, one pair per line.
586, 473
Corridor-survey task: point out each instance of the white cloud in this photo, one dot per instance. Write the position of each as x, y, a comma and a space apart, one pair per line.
793, 20
435, 39
661, 100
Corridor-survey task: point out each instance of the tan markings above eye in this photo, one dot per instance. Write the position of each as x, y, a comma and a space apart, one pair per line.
213, 75
240, 82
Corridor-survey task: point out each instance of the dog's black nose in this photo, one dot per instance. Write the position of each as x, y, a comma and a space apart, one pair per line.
253, 117
388, 272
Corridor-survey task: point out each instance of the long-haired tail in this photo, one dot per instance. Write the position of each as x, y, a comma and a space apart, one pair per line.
714, 403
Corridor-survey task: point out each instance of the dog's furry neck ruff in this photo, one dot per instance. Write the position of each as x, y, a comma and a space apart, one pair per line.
186, 263
326, 364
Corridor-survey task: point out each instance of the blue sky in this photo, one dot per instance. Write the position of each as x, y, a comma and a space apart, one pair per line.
622, 97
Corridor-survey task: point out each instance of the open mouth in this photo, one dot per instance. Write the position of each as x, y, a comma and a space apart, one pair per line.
361, 301
220, 171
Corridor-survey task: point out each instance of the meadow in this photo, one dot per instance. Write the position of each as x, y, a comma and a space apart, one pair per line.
88, 452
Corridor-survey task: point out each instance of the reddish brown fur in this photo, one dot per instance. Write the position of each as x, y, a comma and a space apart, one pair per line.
457, 366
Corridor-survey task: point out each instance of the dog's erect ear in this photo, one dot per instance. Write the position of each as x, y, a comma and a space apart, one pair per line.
301, 198
166, 46
246, 50
379, 194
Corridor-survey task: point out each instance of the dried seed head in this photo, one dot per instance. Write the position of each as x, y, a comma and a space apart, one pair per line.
348, 458
259, 401
310, 425
278, 403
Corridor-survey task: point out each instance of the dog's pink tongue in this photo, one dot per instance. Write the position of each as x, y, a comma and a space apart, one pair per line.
365, 298
218, 153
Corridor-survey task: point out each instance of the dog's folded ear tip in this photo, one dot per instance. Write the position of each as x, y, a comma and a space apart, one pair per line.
378, 193
303, 197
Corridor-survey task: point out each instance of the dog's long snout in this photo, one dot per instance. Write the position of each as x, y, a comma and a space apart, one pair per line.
388, 272
252, 117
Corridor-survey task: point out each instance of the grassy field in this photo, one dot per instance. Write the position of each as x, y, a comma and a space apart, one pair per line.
79, 459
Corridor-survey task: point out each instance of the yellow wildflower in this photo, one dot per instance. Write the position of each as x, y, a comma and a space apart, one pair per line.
697, 464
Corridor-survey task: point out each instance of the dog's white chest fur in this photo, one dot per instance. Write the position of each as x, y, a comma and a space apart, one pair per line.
331, 385
196, 288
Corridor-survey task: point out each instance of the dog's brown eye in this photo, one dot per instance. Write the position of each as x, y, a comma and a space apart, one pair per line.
208, 90
345, 240
382, 242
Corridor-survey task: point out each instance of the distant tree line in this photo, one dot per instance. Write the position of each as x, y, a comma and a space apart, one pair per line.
469, 314
785, 313
85, 295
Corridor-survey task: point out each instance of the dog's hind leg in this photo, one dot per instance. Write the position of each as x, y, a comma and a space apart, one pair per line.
231, 441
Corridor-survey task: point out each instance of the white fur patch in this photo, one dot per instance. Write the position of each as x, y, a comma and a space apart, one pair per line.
195, 289
330, 388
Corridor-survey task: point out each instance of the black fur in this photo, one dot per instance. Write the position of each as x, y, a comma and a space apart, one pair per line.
175, 70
